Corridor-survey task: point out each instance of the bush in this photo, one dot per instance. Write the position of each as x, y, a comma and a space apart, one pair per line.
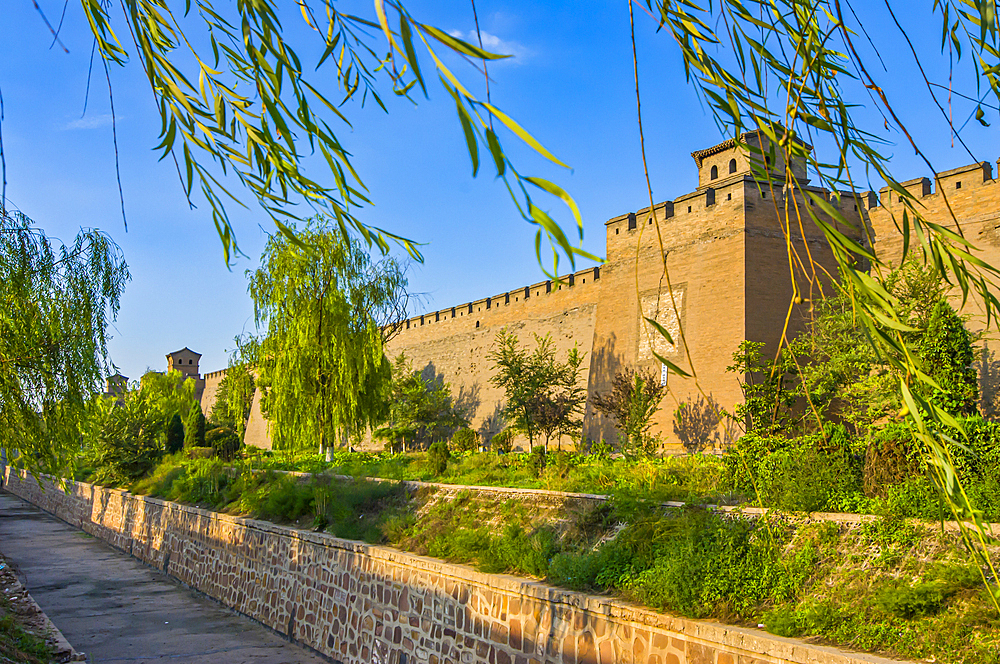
128, 444
465, 440
200, 452
694, 562
437, 457
502, 442
175, 435
225, 442
805, 474
536, 460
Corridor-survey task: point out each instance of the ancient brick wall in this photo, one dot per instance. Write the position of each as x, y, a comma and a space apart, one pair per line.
965, 200
363, 604
452, 344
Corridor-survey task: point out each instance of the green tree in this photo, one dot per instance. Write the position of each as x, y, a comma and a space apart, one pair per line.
847, 381
194, 429
128, 443
175, 434
543, 395
465, 440
769, 389
169, 393
234, 398
421, 410
324, 306
55, 304
634, 398
946, 350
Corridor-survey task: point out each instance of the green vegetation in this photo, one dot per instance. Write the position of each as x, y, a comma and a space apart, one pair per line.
175, 434
18, 643
324, 307
543, 396
55, 302
633, 400
916, 598
234, 398
194, 432
421, 410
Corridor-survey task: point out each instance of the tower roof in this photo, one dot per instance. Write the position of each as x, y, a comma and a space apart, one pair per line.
700, 155
183, 350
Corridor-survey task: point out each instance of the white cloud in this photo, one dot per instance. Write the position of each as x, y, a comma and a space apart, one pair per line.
494, 44
90, 122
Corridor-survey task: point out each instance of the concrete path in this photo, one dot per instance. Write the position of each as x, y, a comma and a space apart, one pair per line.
112, 607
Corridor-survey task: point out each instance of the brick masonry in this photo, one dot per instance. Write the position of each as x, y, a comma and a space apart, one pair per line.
729, 280
362, 604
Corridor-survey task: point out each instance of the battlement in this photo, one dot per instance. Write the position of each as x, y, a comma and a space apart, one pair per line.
484, 311
741, 190
954, 181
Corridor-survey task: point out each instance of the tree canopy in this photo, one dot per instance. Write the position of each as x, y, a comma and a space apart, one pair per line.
421, 410
543, 394
319, 299
55, 303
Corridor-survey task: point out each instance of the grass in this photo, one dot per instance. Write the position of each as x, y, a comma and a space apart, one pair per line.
695, 478
885, 586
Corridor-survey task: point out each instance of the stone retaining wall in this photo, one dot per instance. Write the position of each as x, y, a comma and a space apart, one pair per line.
375, 605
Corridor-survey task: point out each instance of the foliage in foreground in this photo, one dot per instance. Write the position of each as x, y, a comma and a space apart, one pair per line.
18, 646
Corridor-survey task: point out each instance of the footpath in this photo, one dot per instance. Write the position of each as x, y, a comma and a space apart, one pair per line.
116, 609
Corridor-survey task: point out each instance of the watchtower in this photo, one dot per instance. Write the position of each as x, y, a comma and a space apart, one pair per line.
184, 360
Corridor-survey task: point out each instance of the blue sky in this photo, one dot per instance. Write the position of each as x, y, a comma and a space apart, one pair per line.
570, 84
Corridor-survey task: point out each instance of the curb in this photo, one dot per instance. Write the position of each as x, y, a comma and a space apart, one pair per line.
64, 650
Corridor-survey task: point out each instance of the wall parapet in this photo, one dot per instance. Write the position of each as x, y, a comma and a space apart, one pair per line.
367, 604
488, 305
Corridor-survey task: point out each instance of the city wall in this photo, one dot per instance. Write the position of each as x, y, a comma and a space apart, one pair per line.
727, 247
727, 280
965, 200
362, 604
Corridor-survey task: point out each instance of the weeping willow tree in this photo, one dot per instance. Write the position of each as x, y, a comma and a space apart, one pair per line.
321, 304
55, 304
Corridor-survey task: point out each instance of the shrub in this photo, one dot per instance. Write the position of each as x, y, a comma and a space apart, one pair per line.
194, 431
806, 474
128, 444
890, 459
502, 442
536, 460
200, 452
437, 457
175, 435
919, 599
224, 441
465, 440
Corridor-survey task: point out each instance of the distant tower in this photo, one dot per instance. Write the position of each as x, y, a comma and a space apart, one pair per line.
116, 385
184, 360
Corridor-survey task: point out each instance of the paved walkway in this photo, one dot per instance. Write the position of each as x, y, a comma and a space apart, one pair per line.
112, 607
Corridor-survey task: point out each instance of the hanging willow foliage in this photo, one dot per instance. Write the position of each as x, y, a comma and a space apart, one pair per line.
785, 69
241, 104
55, 304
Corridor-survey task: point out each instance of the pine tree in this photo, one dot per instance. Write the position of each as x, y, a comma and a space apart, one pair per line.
194, 432
948, 357
175, 435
